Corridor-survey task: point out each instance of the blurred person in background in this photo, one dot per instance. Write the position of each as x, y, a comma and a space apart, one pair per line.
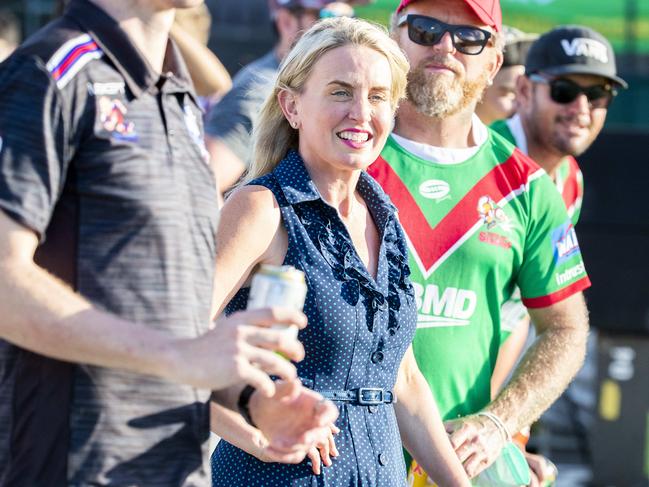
570, 80
108, 212
480, 220
229, 124
308, 202
499, 99
191, 31
9, 33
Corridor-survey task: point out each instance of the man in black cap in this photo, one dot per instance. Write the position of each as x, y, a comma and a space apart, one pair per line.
570, 80
499, 99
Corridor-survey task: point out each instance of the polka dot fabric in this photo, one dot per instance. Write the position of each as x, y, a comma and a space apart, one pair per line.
359, 329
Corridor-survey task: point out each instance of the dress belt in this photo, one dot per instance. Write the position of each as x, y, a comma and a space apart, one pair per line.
363, 396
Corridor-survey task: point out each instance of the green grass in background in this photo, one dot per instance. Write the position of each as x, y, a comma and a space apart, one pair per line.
605, 16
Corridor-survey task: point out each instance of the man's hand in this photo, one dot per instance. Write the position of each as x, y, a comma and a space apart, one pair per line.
477, 441
240, 349
293, 420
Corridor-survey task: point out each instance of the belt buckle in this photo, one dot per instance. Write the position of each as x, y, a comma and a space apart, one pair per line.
370, 396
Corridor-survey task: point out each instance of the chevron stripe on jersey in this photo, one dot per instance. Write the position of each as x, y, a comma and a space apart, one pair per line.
71, 57
431, 246
467, 257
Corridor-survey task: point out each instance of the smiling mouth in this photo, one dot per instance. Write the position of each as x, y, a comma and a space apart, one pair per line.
575, 126
353, 136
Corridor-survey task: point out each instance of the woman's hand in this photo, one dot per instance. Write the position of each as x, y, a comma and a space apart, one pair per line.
268, 454
322, 451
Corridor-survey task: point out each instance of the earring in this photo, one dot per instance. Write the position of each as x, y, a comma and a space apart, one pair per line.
294, 125
490, 82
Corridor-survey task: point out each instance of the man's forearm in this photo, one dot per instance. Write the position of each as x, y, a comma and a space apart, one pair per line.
547, 367
43, 315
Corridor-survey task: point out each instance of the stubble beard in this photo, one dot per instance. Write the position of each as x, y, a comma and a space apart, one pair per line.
552, 137
441, 95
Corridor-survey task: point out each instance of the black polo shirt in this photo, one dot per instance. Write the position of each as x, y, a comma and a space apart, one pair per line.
103, 159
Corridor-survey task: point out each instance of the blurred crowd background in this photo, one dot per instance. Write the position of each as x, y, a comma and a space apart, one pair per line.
606, 437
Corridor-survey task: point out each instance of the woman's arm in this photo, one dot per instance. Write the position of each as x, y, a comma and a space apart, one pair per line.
422, 430
249, 233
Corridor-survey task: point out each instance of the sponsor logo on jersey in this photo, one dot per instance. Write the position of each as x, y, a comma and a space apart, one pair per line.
495, 239
449, 307
492, 215
435, 189
564, 242
570, 274
107, 89
582, 46
112, 115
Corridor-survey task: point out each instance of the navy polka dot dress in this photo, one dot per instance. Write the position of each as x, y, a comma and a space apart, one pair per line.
359, 329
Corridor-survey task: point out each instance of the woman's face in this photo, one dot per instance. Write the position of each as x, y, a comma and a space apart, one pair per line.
344, 112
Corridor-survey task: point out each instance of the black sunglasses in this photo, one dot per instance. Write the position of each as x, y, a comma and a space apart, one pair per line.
564, 91
428, 31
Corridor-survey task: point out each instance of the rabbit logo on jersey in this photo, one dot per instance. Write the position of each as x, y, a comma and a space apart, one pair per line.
492, 215
564, 242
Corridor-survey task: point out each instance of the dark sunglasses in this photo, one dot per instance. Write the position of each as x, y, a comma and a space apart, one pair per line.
566, 91
428, 31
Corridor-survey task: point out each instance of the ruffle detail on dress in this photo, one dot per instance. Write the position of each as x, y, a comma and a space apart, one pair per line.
347, 267
398, 276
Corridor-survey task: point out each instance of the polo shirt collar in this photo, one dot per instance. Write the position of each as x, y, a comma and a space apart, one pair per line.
127, 59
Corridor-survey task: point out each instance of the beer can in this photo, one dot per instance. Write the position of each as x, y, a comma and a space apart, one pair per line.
278, 286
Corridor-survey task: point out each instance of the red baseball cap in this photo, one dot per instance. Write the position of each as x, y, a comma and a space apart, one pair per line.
488, 11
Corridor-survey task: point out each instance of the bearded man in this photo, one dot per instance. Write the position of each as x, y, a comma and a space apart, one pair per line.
481, 218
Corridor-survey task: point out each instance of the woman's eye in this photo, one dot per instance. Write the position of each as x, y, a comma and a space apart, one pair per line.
340, 93
378, 97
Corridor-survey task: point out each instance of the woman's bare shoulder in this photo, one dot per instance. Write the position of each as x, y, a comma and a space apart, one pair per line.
251, 225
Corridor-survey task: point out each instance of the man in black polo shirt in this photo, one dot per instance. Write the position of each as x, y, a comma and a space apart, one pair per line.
107, 221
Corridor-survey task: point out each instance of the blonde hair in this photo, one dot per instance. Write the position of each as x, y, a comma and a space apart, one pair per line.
273, 136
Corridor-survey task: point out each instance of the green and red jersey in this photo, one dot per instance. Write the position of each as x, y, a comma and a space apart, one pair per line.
476, 230
568, 180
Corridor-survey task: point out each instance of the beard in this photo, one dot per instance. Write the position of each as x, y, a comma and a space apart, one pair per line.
552, 134
441, 95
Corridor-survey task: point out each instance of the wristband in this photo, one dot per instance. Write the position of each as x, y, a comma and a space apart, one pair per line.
243, 404
498, 422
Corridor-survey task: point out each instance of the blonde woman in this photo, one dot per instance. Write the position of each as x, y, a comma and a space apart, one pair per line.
309, 203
